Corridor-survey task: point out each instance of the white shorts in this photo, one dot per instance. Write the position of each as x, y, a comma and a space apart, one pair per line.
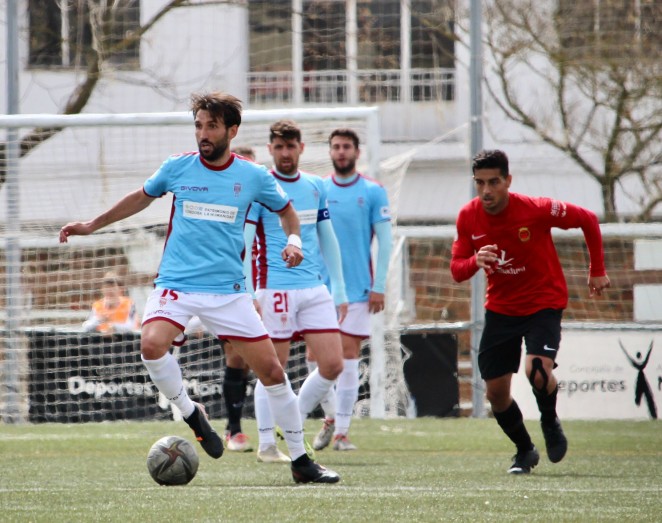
291, 312
357, 322
226, 316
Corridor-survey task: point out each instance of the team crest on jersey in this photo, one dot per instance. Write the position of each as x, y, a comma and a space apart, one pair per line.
316, 194
283, 319
237, 189
360, 201
162, 302
524, 234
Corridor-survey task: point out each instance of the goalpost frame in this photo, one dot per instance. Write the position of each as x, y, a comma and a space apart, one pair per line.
610, 231
14, 122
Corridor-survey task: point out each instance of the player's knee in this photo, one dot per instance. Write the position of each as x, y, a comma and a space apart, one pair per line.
273, 374
331, 370
497, 399
232, 358
152, 348
538, 377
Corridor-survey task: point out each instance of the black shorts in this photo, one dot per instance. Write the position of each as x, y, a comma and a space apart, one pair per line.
500, 349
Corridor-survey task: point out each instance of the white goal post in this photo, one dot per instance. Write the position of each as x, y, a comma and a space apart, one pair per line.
88, 164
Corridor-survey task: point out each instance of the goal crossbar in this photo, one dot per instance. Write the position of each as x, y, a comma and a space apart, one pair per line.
180, 117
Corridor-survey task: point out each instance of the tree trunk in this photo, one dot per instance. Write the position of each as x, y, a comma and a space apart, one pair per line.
608, 187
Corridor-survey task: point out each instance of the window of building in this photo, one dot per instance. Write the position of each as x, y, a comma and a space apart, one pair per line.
612, 30
324, 35
270, 35
377, 74
62, 33
432, 45
378, 34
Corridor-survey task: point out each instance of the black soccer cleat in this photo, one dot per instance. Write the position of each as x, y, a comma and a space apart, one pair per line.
555, 441
311, 472
524, 461
209, 439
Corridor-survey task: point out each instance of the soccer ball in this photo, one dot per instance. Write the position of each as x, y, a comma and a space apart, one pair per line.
172, 461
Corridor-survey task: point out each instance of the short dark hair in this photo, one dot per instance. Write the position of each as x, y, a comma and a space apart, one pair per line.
285, 129
244, 150
491, 159
221, 106
346, 133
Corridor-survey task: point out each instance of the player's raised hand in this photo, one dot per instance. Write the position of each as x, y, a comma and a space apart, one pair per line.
75, 229
596, 284
292, 255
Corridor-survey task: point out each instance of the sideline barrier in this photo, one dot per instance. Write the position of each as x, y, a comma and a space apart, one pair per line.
78, 377
82, 377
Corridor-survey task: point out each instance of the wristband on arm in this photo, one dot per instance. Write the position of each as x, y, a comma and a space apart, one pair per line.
294, 240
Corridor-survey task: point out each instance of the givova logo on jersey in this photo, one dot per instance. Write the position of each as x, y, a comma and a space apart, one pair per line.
193, 188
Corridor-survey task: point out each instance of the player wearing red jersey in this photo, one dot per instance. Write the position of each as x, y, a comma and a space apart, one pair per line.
508, 235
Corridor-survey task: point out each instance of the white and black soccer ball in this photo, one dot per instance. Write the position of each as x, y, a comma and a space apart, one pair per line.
172, 461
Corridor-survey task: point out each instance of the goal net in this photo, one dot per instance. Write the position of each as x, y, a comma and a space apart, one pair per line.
425, 299
52, 370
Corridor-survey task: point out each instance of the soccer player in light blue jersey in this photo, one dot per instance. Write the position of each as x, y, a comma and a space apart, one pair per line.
201, 270
359, 210
295, 302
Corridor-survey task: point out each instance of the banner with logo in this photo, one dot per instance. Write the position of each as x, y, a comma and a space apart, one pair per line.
79, 377
602, 375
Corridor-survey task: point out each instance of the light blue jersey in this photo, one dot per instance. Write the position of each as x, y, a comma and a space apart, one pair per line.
308, 196
354, 209
205, 241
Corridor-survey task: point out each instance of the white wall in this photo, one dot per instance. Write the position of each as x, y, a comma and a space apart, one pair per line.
201, 47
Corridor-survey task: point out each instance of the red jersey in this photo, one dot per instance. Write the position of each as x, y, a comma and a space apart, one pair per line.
527, 276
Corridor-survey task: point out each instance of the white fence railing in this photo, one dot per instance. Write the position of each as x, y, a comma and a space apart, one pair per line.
372, 85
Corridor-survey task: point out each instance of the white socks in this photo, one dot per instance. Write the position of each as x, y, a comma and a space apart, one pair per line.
328, 402
283, 404
167, 376
347, 392
263, 417
313, 390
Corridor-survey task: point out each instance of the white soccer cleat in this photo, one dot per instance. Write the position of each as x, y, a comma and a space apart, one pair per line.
324, 436
272, 455
238, 443
341, 442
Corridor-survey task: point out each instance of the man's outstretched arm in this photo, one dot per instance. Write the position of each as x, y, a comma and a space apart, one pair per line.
131, 204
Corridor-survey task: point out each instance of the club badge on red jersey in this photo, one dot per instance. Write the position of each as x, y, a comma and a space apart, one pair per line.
524, 234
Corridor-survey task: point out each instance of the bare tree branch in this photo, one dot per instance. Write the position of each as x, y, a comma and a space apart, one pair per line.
603, 91
103, 18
